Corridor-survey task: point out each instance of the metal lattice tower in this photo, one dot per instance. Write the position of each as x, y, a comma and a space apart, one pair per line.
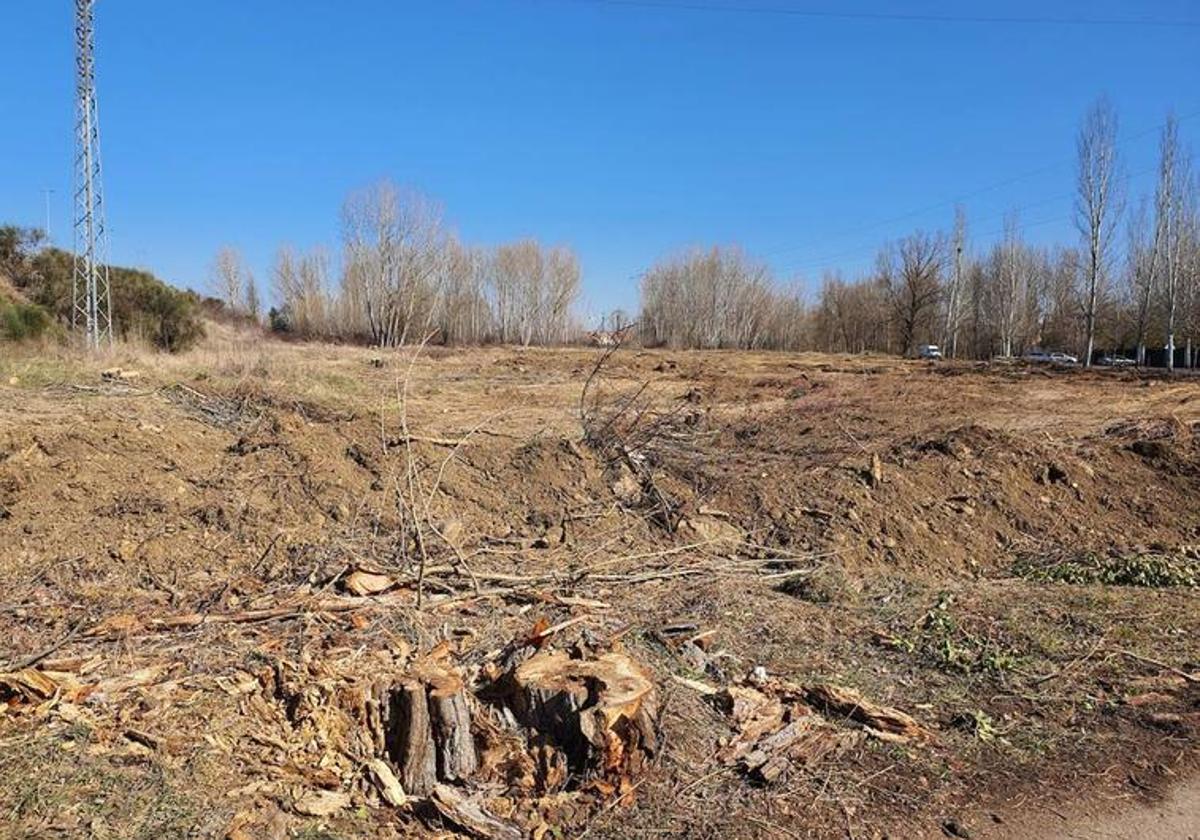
92, 311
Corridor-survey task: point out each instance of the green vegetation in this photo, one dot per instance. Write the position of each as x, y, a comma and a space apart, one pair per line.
20, 321
1152, 570
942, 641
144, 307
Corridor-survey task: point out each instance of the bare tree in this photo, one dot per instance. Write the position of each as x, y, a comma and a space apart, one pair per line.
394, 252
228, 276
1141, 256
954, 291
1012, 267
251, 298
1189, 265
1097, 206
464, 314
715, 298
302, 288
909, 272
1170, 228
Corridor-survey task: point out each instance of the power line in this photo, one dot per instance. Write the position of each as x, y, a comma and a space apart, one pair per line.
958, 199
830, 260
896, 17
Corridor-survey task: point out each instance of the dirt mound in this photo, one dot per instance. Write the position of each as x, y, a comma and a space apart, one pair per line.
963, 499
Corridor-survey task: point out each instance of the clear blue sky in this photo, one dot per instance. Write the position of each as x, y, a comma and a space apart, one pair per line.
627, 130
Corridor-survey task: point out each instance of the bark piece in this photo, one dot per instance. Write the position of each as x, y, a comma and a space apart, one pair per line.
849, 703
468, 814
599, 712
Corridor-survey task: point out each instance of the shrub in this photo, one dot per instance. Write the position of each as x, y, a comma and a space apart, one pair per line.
1151, 570
21, 321
143, 306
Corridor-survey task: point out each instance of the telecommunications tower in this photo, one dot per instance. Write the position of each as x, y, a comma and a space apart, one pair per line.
92, 311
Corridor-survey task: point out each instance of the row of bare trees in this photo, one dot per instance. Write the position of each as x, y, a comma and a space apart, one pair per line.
404, 277
719, 299
931, 288
1132, 282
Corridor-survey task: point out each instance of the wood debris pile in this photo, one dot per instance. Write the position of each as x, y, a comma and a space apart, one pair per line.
780, 726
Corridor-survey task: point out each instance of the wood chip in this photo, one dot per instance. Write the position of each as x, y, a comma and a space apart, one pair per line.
386, 783
321, 803
360, 582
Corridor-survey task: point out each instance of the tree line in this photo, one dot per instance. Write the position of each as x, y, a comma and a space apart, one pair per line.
144, 308
1131, 282
403, 277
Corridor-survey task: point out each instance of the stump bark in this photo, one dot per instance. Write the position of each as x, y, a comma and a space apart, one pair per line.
426, 726
600, 713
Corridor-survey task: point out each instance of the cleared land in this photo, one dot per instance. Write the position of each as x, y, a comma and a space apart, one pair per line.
208, 566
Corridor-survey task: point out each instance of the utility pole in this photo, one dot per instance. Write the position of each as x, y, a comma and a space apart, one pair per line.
92, 310
950, 334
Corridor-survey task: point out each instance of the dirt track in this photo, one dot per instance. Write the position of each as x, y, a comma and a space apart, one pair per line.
937, 537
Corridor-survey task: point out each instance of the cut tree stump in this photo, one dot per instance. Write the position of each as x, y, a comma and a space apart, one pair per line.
599, 712
426, 727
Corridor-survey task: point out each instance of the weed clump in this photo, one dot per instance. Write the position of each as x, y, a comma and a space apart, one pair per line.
941, 640
1147, 570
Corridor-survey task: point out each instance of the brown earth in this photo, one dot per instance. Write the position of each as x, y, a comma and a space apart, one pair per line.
191, 556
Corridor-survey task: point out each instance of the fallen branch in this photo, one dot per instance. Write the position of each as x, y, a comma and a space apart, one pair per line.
1191, 678
30, 661
190, 621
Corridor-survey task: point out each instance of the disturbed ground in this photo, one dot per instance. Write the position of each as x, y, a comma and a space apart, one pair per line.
206, 559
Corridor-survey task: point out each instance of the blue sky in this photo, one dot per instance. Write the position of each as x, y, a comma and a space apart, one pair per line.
627, 130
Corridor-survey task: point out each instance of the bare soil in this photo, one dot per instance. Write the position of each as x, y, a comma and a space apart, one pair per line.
1006, 554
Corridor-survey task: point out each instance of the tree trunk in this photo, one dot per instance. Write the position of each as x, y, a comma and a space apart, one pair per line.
425, 729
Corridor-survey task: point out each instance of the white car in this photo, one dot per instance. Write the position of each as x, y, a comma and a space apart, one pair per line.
1063, 359
929, 351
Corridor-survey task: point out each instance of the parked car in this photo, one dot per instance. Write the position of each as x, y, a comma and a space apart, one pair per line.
929, 351
1044, 357
1116, 361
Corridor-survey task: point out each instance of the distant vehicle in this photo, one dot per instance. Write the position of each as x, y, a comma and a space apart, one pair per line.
929, 351
1047, 358
1116, 361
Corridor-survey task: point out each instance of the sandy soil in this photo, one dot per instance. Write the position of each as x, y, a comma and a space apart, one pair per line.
1176, 817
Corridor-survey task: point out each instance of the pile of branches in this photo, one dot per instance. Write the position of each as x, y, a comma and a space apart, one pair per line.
638, 436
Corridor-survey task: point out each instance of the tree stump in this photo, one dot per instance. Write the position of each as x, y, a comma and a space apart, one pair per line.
600, 713
425, 720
